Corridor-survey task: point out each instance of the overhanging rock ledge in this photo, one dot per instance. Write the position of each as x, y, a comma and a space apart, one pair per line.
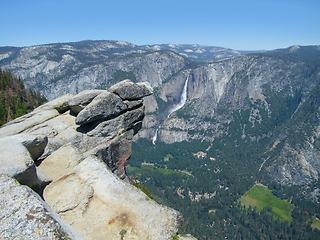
80, 145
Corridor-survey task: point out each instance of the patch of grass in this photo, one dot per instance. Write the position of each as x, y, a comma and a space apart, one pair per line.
166, 171
139, 170
130, 168
262, 197
143, 189
169, 156
122, 233
315, 223
148, 169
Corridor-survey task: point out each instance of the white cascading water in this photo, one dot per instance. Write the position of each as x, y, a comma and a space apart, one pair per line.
182, 102
154, 139
183, 99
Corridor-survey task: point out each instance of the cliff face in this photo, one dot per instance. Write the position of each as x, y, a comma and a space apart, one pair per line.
73, 151
271, 98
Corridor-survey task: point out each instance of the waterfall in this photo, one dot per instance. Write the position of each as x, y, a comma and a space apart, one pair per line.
183, 99
154, 139
176, 107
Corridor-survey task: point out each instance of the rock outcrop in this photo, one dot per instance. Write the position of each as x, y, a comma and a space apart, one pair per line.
74, 151
18, 153
24, 215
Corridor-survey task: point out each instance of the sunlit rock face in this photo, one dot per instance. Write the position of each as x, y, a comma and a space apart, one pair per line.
75, 149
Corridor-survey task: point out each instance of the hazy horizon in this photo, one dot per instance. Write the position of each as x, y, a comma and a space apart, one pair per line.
240, 25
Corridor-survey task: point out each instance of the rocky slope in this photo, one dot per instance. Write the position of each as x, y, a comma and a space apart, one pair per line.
73, 151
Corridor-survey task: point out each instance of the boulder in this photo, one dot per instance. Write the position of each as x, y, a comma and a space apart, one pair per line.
127, 90
82, 99
101, 206
29, 120
34, 143
113, 127
24, 215
17, 161
103, 107
133, 104
60, 130
61, 162
37, 116
61, 104
115, 153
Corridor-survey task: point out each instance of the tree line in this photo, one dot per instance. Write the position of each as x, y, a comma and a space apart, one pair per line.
15, 99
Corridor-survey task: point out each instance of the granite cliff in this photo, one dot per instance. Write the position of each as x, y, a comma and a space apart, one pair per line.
73, 151
270, 97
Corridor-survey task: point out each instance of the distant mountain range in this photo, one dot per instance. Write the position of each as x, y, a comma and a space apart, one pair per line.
200, 53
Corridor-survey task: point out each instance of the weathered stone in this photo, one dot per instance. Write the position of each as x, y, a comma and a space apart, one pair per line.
115, 153
103, 209
82, 99
24, 215
128, 90
37, 116
68, 193
60, 162
17, 162
109, 129
103, 107
133, 104
60, 130
60, 104
34, 143
29, 120
131, 117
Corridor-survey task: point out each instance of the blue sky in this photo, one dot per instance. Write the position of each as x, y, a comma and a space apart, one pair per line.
236, 24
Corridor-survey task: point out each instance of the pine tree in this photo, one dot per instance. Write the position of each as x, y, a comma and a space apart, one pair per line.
15, 100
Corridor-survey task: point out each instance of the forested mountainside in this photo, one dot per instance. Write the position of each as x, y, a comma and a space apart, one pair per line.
247, 119
15, 100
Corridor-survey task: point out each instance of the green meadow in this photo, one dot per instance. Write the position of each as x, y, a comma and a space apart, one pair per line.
261, 197
148, 168
315, 223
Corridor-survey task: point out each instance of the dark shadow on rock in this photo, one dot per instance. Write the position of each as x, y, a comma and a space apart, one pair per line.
85, 128
72, 113
136, 127
40, 191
